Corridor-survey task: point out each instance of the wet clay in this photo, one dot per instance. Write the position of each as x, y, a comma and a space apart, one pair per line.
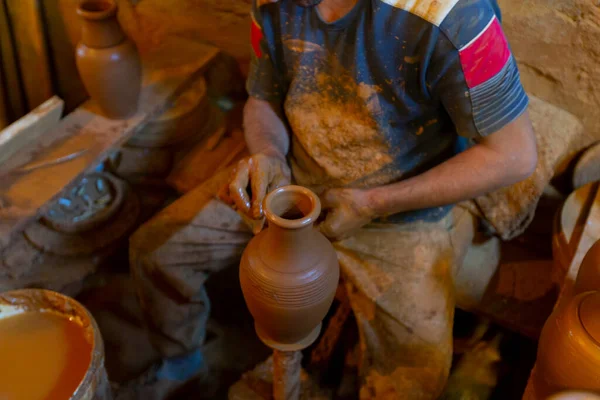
289, 272
107, 60
42, 356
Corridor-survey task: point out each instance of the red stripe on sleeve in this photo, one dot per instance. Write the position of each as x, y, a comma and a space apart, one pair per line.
483, 58
256, 35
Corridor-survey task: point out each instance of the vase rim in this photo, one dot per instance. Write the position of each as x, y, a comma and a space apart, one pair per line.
285, 198
97, 9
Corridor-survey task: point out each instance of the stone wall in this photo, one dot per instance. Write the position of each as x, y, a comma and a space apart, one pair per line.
557, 46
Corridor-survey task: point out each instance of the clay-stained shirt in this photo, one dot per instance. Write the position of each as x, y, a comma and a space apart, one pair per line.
388, 91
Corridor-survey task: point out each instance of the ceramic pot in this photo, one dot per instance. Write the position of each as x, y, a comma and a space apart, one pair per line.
108, 62
569, 347
289, 272
574, 396
588, 277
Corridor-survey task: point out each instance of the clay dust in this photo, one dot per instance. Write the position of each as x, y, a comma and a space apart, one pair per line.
337, 139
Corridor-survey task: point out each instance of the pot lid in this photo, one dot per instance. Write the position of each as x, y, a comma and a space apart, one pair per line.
589, 313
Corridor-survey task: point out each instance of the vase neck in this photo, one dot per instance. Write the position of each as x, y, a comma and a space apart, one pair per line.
100, 28
287, 245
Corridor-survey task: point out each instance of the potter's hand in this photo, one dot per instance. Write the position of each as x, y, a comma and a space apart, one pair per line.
347, 211
262, 173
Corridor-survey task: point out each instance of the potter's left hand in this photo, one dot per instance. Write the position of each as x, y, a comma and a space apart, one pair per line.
347, 210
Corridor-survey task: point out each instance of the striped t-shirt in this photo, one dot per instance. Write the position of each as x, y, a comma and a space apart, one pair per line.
388, 91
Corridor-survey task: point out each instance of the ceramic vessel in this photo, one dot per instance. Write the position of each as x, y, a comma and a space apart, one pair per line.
95, 384
289, 272
588, 277
569, 347
107, 60
574, 396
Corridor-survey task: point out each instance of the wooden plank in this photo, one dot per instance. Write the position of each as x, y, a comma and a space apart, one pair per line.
584, 233
30, 43
38, 172
14, 101
30, 127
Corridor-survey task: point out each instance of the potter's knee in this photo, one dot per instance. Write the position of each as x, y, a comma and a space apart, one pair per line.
423, 377
141, 251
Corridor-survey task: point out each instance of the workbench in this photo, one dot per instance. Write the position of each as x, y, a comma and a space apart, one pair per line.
38, 172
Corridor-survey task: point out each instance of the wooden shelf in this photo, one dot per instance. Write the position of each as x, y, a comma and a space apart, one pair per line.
37, 173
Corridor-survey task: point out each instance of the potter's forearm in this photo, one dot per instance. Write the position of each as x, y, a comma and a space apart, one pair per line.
502, 159
264, 129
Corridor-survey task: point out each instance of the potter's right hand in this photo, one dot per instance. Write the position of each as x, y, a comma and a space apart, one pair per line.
262, 173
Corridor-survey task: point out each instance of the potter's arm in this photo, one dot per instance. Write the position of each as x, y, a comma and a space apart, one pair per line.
264, 129
501, 159
266, 169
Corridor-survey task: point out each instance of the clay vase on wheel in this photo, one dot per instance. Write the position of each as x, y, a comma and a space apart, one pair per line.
108, 62
289, 272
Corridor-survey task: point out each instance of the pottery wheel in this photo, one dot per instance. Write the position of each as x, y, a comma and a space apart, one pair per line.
90, 203
300, 345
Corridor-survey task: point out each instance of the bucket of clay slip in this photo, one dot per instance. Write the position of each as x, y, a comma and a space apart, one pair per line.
86, 377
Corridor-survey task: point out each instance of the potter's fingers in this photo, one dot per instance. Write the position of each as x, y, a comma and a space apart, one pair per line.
330, 226
223, 195
279, 181
259, 181
330, 199
238, 187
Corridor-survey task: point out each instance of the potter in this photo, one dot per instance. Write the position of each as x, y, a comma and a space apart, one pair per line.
397, 114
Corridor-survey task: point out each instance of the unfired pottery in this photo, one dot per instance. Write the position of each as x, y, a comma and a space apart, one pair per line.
289, 272
569, 347
575, 396
107, 60
588, 277
95, 384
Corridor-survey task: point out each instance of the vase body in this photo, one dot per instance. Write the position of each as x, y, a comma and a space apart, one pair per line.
569, 347
289, 272
588, 277
107, 61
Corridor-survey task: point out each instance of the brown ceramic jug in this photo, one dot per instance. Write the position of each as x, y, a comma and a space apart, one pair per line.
588, 278
289, 272
569, 347
107, 60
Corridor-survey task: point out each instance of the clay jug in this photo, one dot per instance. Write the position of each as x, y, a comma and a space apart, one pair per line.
107, 60
569, 347
588, 277
289, 272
